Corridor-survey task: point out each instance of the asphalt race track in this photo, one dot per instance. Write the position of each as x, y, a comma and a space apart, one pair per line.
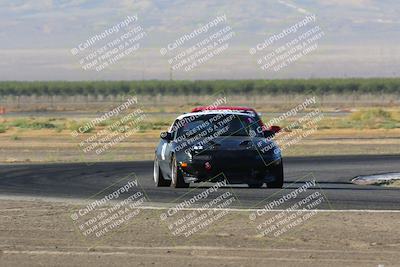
332, 173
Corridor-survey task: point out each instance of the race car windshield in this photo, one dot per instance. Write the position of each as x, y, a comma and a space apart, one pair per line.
219, 125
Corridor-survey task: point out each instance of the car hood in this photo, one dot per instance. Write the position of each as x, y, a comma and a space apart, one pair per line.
231, 143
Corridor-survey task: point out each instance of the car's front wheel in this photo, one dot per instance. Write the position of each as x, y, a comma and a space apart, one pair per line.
277, 172
158, 177
177, 180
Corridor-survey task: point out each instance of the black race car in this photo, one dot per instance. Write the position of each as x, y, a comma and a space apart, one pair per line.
218, 145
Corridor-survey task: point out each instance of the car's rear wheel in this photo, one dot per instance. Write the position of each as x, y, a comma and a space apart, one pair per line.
158, 177
277, 172
177, 180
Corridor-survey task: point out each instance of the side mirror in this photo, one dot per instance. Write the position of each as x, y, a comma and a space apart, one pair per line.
270, 133
275, 129
166, 136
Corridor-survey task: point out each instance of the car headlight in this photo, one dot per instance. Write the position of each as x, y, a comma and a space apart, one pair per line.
189, 154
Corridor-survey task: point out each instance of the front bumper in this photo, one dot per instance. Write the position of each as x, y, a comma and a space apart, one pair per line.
247, 166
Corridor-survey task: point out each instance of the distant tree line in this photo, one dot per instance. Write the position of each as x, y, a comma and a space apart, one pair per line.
159, 87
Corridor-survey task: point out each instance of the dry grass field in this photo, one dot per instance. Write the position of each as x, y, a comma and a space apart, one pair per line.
34, 130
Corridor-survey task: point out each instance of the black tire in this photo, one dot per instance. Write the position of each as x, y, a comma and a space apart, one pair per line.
277, 171
158, 177
177, 180
258, 185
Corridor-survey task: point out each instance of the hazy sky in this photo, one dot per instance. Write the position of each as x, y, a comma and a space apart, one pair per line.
361, 37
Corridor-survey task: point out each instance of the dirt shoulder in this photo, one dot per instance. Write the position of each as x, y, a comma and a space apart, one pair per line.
36, 233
